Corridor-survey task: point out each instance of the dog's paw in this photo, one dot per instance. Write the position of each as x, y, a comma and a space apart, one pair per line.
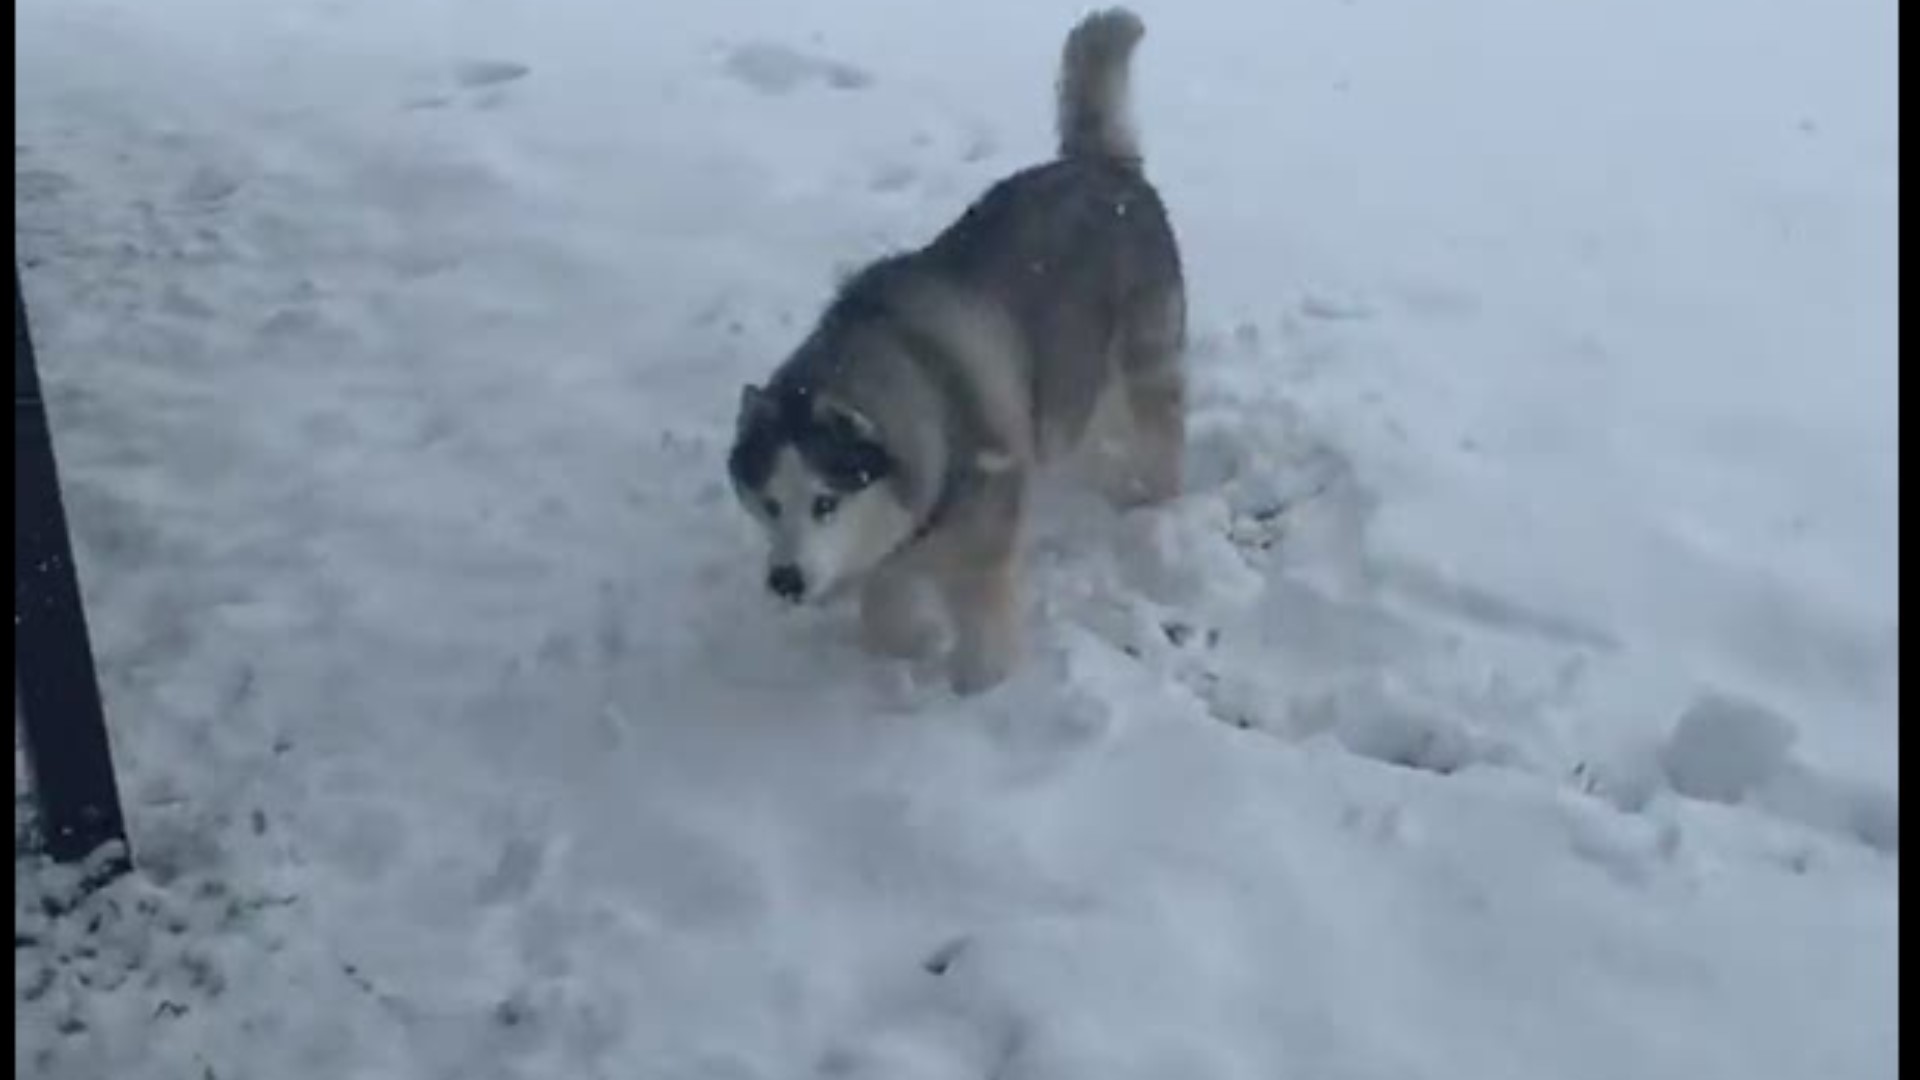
972, 683
912, 640
974, 672
894, 623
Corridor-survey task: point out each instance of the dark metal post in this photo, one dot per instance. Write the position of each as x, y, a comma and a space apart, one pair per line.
57, 691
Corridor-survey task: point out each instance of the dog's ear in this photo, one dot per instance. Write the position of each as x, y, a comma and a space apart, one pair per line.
852, 454
844, 421
755, 405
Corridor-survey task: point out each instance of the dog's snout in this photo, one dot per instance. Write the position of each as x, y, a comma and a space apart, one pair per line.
786, 582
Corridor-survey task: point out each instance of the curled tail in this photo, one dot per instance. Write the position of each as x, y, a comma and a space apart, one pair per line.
1093, 117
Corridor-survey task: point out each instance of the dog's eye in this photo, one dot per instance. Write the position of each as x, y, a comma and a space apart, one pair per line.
772, 508
824, 506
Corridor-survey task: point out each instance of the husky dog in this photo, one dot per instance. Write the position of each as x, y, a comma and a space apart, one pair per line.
896, 445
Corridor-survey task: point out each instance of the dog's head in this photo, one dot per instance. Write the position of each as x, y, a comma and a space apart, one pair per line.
812, 472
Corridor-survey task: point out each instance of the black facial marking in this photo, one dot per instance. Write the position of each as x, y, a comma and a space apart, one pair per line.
756, 440
847, 460
751, 460
832, 446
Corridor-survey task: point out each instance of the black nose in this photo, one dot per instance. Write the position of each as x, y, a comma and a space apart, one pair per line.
786, 582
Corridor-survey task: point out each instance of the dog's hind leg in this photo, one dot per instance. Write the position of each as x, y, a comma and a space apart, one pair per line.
1151, 361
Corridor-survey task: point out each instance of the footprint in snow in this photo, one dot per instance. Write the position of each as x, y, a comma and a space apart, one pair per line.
1735, 751
1437, 302
475, 74
40, 185
773, 68
208, 187
1330, 308
979, 147
485, 79
892, 178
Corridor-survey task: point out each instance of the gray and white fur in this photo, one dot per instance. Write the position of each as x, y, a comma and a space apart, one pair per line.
895, 447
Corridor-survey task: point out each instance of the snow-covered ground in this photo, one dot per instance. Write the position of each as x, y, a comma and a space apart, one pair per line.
1512, 697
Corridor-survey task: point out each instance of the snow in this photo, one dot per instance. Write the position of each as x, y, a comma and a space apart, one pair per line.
1513, 695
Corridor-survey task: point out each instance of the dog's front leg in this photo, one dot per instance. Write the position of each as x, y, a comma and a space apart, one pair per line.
978, 573
891, 622
984, 600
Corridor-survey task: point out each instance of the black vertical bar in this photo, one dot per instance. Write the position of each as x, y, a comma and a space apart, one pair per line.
57, 690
